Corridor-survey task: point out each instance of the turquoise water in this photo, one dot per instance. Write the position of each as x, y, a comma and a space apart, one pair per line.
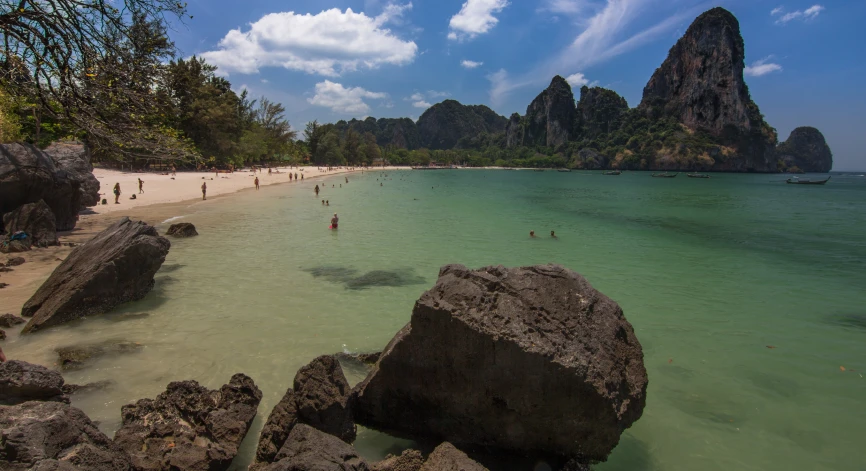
709, 272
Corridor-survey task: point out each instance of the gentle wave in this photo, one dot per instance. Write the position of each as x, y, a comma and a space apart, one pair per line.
172, 219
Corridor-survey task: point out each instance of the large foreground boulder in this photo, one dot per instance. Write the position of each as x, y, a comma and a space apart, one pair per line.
527, 360
308, 449
114, 267
189, 427
28, 174
36, 219
21, 382
49, 436
324, 398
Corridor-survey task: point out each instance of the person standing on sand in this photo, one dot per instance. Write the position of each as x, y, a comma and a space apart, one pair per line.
140, 186
257, 183
296, 176
204, 191
173, 170
290, 176
116, 193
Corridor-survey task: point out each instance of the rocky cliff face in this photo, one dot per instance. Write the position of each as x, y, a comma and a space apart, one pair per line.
444, 124
401, 133
701, 85
599, 111
514, 131
806, 150
550, 118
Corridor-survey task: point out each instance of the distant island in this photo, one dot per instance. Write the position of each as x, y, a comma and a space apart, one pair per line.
696, 115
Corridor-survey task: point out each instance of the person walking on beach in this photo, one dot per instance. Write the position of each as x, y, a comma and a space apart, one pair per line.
334, 221
140, 186
317, 190
269, 170
257, 183
117, 193
173, 170
296, 176
290, 176
204, 191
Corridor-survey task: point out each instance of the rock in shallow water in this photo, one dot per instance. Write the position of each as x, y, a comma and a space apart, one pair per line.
10, 320
189, 427
280, 423
323, 398
180, 230
21, 382
308, 449
114, 267
448, 458
73, 358
526, 360
48, 436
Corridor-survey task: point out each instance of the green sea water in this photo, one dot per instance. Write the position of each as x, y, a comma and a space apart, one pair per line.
709, 272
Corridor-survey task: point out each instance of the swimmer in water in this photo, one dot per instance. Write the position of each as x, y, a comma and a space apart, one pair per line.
531, 233
334, 221
552, 234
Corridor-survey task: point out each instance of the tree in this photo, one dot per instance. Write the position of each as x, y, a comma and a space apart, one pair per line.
329, 151
370, 150
312, 134
351, 144
93, 63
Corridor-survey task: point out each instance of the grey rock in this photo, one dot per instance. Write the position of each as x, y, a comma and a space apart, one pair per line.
21, 382
448, 458
189, 427
550, 118
280, 423
74, 159
183, 229
36, 219
47, 436
308, 449
114, 267
10, 320
323, 398
530, 361
15, 261
589, 159
76, 357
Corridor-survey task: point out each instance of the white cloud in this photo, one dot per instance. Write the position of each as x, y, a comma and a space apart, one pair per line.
421, 104
416, 97
344, 100
328, 43
421, 100
474, 18
577, 80
565, 7
467, 64
762, 67
808, 14
435, 94
776, 11
604, 35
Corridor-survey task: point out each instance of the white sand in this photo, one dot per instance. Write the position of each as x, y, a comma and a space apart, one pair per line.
187, 185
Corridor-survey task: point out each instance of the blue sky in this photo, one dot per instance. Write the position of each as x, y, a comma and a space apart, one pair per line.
339, 59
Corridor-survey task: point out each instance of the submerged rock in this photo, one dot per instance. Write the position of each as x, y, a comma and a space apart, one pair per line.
71, 389
280, 423
36, 219
76, 357
114, 267
448, 458
189, 427
323, 398
180, 230
528, 360
21, 382
10, 320
49, 436
308, 449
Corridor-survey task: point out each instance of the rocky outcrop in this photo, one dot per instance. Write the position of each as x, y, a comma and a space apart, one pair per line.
114, 267
589, 159
701, 85
323, 398
448, 458
409, 460
550, 118
74, 159
444, 124
527, 360
514, 131
180, 230
28, 174
189, 427
55, 436
10, 320
308, 449
36, 219
280, 423
15, 246
77, 357
21, 382
599, 111
805, 150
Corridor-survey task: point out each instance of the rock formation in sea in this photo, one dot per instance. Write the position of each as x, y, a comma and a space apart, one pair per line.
181, 230
189, 427
28, 174
114, 267
21, 382
444, 124
701, 85
323, 398
805, 150
78, 356
307, 448
531, 361
35, 219
55, 436
550, 118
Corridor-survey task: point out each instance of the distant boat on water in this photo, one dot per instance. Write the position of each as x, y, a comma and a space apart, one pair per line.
806, 181
539, 170
613, 172
665, 175
697, 175
564, 170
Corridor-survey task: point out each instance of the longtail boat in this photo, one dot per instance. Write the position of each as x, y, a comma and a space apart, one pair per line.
806, 181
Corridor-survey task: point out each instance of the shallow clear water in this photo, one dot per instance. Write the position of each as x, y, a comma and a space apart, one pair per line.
709, 272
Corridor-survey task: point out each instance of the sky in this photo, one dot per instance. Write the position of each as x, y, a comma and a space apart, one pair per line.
341, 59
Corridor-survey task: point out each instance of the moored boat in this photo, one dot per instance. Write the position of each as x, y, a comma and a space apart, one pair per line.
612, 172
665, 175
564, 170
697, 175
806, 181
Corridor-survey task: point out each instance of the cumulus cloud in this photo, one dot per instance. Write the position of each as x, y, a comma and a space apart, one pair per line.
474, 18
328, 43
807, 14
762, 67
422, 104
421, 100
344, 100
467, 64
577, 80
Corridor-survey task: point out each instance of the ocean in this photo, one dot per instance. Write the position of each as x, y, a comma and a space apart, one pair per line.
747, 295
